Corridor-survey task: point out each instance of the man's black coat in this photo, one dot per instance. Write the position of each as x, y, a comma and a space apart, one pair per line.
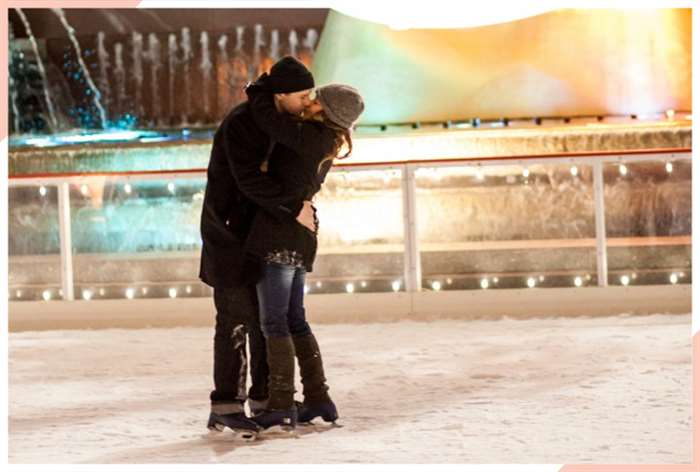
236, 189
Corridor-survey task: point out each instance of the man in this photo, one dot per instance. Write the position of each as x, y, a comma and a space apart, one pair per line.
236, 189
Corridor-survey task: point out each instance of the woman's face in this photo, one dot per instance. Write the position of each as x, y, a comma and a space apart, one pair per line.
314, 105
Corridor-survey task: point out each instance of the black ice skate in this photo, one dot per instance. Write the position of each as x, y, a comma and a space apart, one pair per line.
238, 423
325, 410
277, 420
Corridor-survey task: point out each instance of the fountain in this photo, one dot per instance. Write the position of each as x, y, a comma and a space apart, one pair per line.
40, 64
186, 45
103, 59
154, 57
205, 66
78, 52
172, 67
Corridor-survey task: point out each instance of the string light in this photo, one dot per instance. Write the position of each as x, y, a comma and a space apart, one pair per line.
484, 283
306, 289
350, 288
673, 278
172, 293
669, 167
171, 187
87, 294
625, 280
526, 172
127, 189
129, 293
84, 189
578, 281
46, 295
42, 191
623, 169
531, 282
396, 285
574, 171
436, 286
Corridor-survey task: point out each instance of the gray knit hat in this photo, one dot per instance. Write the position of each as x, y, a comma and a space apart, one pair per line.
341, 103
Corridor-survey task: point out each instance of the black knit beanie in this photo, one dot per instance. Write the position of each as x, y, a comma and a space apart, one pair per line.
289, 75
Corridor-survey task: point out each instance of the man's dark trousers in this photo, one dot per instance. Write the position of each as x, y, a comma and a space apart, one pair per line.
237, 315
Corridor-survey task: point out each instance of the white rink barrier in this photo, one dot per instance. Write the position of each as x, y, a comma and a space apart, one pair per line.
365, 307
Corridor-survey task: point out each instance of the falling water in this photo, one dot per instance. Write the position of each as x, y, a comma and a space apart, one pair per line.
223, 53
154, 56
205, 66
186, 45
103, 60
86, 72
42, 71
310, 40
275, 45
255, 70
293, 43
172, 65
137, 58
13, 88
119, 76
239, 38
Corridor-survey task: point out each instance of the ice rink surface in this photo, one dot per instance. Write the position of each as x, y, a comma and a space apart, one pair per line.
557, 390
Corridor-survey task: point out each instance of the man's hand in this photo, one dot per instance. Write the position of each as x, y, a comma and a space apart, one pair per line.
307, 216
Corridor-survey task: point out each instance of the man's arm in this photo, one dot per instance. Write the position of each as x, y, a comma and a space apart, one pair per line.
305, 138
259, 187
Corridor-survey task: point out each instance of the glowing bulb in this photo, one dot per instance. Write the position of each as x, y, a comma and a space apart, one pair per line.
396, 285
495, 280
87, 294
673, 278
306, 289
42, 191
449, 281
102, 291
84, 189
319, 284
172, 292
46, 294
188, 289
669, 167
171, 187
578, 281
144, 290
541, 278
623, 169
350, 288
526, 172
574, 171
484, 283
129, 293
363, 284
127, 189
479, 175
625, 280
531, 282
670, 114
436, 286
18, 294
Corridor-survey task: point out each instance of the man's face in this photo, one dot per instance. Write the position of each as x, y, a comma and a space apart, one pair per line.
293, 103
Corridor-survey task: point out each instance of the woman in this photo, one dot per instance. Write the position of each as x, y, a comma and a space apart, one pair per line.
300, 159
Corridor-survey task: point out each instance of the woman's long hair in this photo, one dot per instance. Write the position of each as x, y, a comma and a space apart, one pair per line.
342, 137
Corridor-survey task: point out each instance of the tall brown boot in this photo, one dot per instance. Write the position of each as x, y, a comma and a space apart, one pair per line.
317, 402
281, 410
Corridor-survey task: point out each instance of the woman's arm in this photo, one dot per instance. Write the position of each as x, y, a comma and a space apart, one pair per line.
307, 139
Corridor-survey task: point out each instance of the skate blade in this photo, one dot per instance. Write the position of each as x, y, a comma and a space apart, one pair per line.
224, 433
279, 431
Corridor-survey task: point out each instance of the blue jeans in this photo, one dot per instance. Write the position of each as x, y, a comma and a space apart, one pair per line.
281, 300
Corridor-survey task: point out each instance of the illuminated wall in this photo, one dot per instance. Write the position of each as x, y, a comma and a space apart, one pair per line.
563, 63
